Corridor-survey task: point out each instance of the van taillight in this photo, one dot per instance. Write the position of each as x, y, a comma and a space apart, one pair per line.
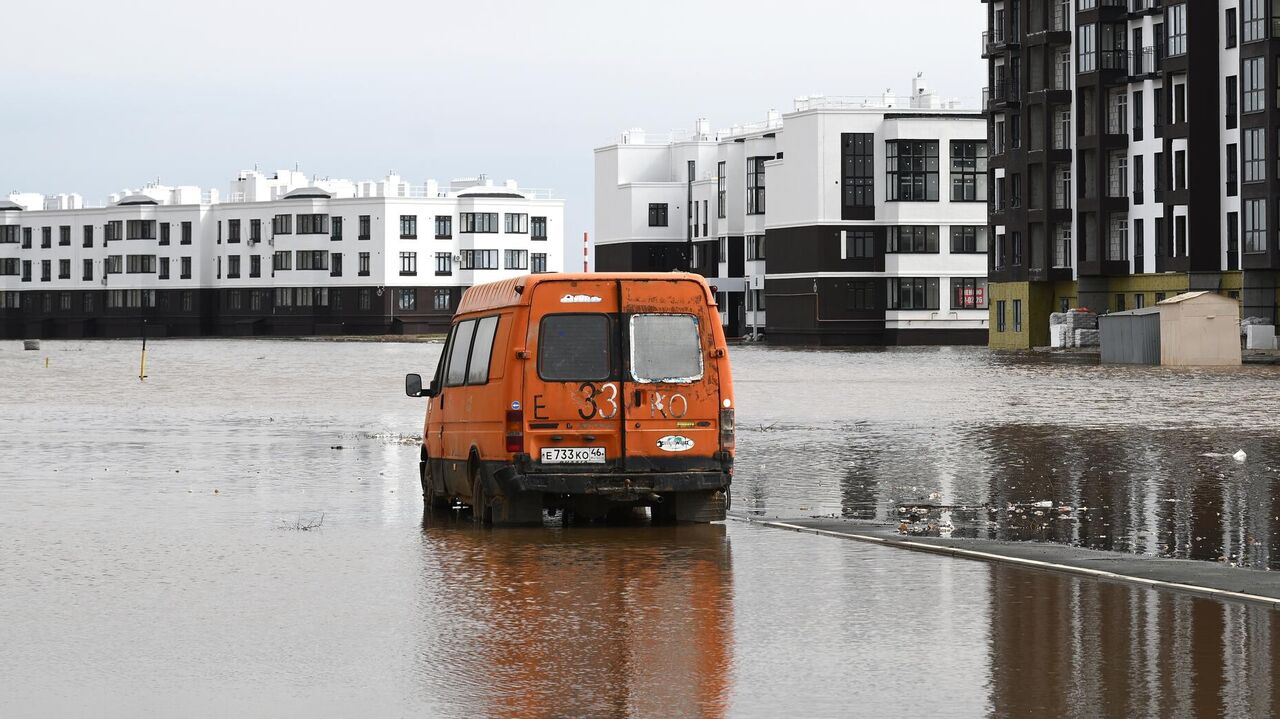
515, 431
726, 430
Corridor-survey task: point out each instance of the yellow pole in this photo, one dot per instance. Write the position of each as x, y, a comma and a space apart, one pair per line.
142, 368
46, 362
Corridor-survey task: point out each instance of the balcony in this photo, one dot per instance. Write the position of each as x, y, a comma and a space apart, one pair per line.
1113, 60
1004, 94
1145, 7
1143, 64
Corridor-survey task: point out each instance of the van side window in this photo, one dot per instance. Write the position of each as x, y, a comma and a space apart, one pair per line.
456, 374
574, 347
665, 348
482, 350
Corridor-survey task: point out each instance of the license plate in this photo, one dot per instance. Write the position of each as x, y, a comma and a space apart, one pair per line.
573, 455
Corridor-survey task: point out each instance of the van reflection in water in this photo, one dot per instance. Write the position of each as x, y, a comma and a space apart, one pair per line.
588, 621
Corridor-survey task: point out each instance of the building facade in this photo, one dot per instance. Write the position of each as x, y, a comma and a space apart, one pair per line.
277, 255
1133, 156
848, 221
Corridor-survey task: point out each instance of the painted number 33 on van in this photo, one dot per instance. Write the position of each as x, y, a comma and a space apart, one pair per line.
583, 394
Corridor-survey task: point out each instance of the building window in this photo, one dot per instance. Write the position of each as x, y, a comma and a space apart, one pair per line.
859, 244
1016, 248
363, 229
335, 264
913, 238
720, 189
408, 227
1118, 174
1255, 225
1000, 315
515, 259
1255, 154
365, 298
657, 214
968, 293
913, 293
538, 262
478, 222
335, 229
255, 265
233, 267
755, 185
968, 171
1180, 170
64, 269
1180, 235
857, 150
406, 299
363, 264
26, 238
1176, 24
912, 170
538, 228
312, 260
408, 264
1087, 48
444, 227
441, 299
9, 234
282, 225
444, 264
1139, 189
1062, 246
26, 270
1139, 244
755, 247
864, 295
1118, 238
515, 223
64, 236
1017, 315
115, 264
284, 297
233, 231
282, 260
479, 260
1253, 15
138, 230
311, 224
46, 237
164, 234
1233, 241
255, 231
1254, 84
184, 269
87, 274
968, 239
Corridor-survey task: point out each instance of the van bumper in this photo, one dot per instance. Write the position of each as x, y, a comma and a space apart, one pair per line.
610, 486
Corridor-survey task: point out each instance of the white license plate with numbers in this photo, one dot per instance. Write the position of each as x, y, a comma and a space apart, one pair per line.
573, 455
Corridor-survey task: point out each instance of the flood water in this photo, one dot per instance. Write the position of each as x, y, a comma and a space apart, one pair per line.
153, 556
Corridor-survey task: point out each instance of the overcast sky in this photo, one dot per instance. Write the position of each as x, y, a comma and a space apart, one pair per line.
104, 95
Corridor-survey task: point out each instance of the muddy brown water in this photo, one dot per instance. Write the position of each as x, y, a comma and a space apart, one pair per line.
153, 556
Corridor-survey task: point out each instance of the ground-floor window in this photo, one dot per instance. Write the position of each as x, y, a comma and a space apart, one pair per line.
406, 299
538, 262
1017, 315
441, 299
968, 293
913, 293
863, 295
1000, 321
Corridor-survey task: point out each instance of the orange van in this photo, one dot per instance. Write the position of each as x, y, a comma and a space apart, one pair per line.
589, 394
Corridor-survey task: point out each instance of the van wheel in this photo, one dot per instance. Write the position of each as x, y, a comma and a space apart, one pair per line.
481, 512
429, 496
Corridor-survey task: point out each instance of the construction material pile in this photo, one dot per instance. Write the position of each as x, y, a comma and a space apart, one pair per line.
1077, 328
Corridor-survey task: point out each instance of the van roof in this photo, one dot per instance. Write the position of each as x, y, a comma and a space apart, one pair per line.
506, 293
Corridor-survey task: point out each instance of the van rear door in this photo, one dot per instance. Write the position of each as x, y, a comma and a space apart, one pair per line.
573, 400
671, 379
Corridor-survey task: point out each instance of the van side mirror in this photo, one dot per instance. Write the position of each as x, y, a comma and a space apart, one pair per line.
413, 386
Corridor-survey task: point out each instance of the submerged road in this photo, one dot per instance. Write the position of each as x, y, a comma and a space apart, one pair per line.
243, 533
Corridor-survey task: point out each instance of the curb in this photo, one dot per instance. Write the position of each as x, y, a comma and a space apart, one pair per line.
907, 544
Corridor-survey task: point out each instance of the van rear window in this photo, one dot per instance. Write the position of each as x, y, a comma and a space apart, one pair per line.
665, 348
574, 347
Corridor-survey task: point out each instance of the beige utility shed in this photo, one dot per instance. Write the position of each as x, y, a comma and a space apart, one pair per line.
1199, 328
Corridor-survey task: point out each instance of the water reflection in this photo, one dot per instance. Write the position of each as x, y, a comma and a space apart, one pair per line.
1067, 647
586, 621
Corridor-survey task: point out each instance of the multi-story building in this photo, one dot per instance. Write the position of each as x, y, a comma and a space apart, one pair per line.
847, 221
277, 255
1133, 156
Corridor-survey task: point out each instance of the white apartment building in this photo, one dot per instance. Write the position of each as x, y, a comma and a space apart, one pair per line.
846, 221
280, 254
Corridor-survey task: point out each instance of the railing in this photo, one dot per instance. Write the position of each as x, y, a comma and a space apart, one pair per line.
1142, 5
1113, 60
1143, 62
1002, 92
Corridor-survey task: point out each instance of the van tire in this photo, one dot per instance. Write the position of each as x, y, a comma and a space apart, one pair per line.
481, 512
430, 498
691, 507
